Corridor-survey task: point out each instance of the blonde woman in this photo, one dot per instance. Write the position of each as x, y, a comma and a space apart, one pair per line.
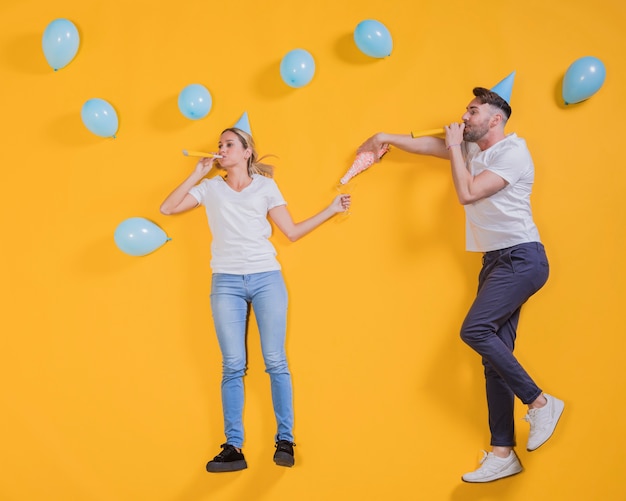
245, 273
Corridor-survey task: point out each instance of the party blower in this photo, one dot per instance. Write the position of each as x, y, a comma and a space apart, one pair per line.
428, 132
191, 153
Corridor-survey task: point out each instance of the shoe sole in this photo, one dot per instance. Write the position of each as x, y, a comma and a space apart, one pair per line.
493, 479
284, 459
558, 418
216, 467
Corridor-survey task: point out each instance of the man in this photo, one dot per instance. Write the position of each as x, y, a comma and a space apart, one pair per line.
493, 175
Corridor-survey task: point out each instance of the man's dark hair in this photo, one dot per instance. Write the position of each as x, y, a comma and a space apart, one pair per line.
485, 96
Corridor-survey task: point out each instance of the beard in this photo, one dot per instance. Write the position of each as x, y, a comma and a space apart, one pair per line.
475, 132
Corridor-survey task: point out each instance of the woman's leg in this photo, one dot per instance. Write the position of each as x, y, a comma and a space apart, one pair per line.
269, 302
230, 312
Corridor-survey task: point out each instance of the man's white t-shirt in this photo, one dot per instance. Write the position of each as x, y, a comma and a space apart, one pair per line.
239, 224
505, 218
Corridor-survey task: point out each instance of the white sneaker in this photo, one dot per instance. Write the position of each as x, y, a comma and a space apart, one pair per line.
493, 467
543, 421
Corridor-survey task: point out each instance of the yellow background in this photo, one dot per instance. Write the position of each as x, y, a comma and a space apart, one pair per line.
110, 369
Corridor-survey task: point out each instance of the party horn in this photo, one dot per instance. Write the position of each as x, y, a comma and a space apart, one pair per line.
191, 153
429, 132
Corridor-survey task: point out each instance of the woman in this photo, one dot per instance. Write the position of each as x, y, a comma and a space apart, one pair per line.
246, 273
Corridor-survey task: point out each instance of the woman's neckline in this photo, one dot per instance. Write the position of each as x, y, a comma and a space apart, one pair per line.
242, 187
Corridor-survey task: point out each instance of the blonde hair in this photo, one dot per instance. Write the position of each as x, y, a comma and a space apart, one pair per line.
255, 166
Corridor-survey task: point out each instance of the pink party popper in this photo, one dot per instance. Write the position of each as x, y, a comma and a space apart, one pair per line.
362, 162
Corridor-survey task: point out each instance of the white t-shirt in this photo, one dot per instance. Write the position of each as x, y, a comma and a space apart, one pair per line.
505, 218
239, 224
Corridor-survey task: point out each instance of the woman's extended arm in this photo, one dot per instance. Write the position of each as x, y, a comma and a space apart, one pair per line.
293, 231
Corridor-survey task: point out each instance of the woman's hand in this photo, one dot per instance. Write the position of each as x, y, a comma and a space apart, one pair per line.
203, 167
341, 203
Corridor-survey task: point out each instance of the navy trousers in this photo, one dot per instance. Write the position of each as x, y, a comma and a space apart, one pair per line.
507, 279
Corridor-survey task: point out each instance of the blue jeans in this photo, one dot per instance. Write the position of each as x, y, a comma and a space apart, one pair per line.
507, 279
231, 297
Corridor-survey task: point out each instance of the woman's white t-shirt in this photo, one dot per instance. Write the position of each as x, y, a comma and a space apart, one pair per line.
505, 218
239, 224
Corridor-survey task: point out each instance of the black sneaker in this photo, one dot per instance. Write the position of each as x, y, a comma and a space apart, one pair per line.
284, 453
227, 460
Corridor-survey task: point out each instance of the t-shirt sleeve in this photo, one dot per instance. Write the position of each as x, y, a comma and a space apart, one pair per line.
510, 164
199, 190
275, 197
504, 169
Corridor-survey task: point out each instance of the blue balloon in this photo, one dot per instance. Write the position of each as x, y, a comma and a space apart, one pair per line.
194, 101
297, 68
583, 79
373, 38
137, 236
60, 43
100, 117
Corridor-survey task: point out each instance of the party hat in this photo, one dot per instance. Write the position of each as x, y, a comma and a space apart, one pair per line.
504, 88
243, 123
